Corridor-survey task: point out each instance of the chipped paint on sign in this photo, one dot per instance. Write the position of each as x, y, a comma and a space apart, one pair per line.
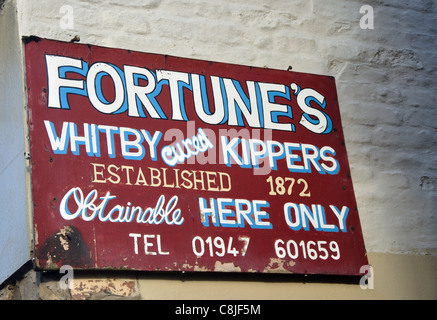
277, 265
226, 267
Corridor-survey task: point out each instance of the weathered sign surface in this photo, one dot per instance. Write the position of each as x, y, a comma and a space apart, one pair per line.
151, 162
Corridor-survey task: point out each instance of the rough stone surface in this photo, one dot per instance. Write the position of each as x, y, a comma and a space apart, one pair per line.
38, 285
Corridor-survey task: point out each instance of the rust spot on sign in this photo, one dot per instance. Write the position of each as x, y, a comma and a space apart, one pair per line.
65, 247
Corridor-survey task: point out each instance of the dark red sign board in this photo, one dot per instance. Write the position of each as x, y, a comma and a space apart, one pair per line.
151, 162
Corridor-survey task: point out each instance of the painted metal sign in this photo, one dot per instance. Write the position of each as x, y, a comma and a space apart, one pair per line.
150, 162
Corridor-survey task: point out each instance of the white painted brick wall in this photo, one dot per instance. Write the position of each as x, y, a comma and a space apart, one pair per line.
386, 80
